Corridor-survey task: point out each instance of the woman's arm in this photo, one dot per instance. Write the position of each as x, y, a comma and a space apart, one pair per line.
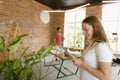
103, 72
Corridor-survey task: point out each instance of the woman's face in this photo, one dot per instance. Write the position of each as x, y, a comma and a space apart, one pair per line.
87, 30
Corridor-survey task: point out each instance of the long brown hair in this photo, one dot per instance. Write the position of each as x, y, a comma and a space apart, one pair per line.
99, 34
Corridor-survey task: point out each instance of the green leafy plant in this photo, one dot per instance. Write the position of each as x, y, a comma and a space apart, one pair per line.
21, 68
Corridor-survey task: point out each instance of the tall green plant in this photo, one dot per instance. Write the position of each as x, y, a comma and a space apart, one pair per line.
20, 68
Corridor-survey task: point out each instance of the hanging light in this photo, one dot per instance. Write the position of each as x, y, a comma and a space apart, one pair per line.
45, 16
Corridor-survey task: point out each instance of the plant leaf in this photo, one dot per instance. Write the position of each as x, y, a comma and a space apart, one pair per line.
2, 44
46, 50
23, 53
14, 44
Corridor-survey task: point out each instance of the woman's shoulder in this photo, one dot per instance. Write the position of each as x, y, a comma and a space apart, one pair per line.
103, 52
103, 47
101, 44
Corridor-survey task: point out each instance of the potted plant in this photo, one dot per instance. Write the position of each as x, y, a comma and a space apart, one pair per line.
21, 68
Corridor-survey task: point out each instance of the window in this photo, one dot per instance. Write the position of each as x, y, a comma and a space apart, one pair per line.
111, 23
73, 31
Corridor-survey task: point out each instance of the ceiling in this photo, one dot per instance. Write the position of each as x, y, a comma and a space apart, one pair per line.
68, 4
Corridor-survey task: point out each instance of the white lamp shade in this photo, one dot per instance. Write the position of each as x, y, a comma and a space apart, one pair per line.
44, 16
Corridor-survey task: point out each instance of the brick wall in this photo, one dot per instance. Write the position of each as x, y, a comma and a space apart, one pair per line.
95, 11
26, 15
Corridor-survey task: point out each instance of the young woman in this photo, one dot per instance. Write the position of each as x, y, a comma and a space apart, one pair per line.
97, 57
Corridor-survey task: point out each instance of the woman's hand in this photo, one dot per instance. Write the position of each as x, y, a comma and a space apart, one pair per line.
78, 62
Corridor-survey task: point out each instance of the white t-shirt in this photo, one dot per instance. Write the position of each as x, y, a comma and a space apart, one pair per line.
99, 53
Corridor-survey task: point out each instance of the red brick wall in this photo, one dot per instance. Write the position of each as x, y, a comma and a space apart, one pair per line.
95, 11
26, 14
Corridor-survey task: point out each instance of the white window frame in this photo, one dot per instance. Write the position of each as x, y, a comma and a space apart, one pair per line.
74, 17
